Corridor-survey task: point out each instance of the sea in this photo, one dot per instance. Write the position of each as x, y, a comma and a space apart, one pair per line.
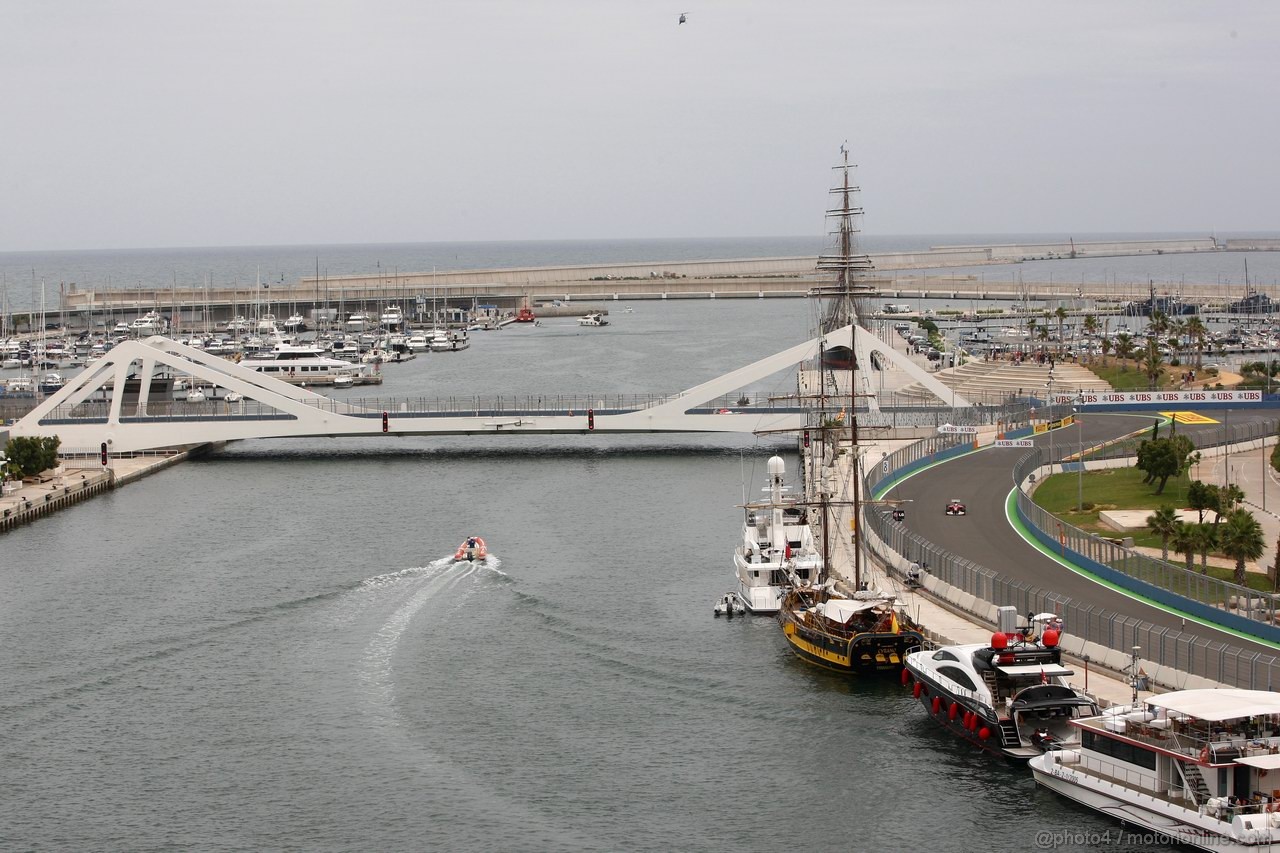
269, 647
28, 279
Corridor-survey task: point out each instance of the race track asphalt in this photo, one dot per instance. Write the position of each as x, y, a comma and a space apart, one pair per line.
983, 480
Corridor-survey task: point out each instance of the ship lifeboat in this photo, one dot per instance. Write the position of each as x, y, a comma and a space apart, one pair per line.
472, 548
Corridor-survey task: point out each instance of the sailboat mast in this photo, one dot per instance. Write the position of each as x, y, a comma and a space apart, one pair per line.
849, 269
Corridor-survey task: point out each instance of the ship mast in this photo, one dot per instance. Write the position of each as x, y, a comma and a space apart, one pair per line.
845, 273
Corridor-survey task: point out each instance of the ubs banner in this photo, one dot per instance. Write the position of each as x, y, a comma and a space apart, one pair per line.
1163, 398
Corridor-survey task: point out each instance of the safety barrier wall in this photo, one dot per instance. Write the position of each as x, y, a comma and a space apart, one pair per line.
1221, 602
1172, 657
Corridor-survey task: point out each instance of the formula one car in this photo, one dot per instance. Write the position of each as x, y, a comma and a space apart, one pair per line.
954, 507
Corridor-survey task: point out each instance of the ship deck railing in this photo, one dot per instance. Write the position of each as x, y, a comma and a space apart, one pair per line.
1133, 782
1192, 739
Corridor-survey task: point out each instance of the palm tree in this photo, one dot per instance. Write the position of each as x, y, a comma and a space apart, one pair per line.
1164, 523
1206, 541
1152, 360
1196, 329
1061, 314
1106, 348
1090, 324
1185, 542
1241, 540
1159, 323
1124, 349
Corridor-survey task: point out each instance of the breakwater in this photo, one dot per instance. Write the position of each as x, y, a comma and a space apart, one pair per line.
509, 287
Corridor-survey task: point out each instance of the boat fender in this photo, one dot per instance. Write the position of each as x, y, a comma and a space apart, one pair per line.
906, 677
954, 712
973, 721
915, 691
937, 704
984, 733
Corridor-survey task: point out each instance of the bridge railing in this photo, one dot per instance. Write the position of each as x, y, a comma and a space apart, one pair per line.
217, 408
894, 543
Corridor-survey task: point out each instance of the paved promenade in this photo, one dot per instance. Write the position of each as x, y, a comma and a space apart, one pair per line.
76, 481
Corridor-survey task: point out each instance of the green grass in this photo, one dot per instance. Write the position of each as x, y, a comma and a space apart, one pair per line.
1122, 488
1131, 378
1111, 488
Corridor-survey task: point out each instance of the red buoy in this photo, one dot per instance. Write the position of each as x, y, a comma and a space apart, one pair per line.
915, 691
999, 641
1050, 638
937, 704
984, 733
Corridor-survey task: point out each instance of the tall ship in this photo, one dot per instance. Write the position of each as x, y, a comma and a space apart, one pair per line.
865, 630
1010, 697
845, 268
777, 545
1191, 765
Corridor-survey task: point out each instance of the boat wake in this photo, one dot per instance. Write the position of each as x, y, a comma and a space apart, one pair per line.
442, 576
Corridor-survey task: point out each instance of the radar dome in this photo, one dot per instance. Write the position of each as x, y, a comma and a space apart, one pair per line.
776, 466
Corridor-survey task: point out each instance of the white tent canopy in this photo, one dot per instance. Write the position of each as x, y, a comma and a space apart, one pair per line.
1224, 703
842, 609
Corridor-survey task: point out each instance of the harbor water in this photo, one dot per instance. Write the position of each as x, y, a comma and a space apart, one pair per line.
268, 648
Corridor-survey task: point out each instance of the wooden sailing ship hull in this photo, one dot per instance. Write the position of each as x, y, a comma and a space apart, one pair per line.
861, 653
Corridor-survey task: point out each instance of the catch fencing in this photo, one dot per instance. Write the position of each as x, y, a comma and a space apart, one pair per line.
1160, 646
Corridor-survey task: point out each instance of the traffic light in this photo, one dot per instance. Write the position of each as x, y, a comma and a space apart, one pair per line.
591, 418
385, 424
806, 438
104, 453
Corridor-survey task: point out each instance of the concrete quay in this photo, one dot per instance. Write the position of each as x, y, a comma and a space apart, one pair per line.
76, 480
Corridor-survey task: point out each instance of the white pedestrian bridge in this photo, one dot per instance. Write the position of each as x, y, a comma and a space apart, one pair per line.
110, 403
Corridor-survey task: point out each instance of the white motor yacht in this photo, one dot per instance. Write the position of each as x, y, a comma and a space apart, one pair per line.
440, 341
51, 383
149, 323
392, 317
1190, 765
776, 542
301, 364
418, 343
593, 319
20, 386
1010, 697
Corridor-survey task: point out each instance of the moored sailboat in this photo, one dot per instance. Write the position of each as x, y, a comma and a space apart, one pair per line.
864, 631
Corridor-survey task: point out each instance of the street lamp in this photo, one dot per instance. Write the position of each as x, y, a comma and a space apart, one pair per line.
1049, 419
1075, 410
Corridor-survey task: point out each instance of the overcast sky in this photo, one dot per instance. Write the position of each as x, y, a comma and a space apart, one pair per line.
217, 122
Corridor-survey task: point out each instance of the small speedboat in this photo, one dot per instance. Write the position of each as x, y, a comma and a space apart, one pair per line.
471, 549
233, 397
730, 605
